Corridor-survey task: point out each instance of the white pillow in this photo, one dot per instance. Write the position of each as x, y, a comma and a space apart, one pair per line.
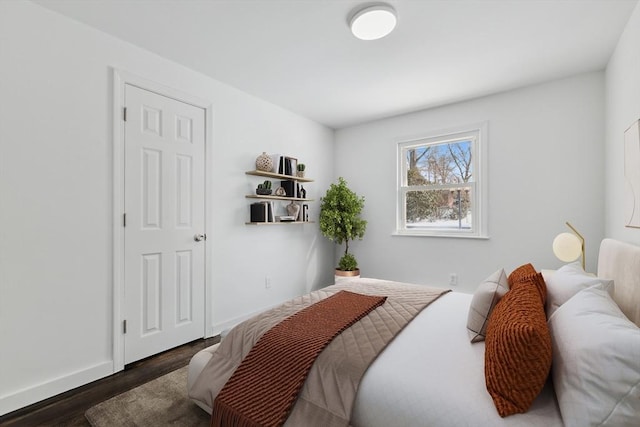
596, 362
568, 281
485, 298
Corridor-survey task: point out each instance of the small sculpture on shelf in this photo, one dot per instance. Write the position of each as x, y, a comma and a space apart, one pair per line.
280, 191
264, 189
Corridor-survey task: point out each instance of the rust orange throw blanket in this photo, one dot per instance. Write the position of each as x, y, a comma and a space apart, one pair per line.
263, 389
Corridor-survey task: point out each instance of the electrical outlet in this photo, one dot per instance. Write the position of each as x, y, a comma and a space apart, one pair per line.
453, 279
267, 282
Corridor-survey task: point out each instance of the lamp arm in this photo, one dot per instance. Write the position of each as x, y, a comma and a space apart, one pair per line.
581, 240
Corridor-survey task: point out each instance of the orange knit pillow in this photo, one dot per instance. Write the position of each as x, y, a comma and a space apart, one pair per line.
521, 273
526, 272
518, 347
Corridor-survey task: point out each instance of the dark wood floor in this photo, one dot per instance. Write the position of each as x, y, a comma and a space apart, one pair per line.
67, 409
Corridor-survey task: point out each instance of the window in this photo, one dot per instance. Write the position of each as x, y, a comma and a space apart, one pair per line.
441, 186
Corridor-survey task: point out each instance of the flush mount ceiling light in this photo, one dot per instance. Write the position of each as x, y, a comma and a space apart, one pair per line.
373, 22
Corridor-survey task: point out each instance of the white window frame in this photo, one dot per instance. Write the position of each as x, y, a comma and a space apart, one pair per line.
477, 133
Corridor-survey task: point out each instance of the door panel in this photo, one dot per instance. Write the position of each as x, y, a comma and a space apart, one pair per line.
164, 202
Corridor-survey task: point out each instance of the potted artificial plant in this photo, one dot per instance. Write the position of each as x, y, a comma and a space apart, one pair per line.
301, 167
340, 222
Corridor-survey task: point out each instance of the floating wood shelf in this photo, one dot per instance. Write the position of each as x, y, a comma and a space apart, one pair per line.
295, 199
291, 185
280, 223
278, 176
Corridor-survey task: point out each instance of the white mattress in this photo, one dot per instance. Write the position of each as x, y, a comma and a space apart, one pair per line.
430, 375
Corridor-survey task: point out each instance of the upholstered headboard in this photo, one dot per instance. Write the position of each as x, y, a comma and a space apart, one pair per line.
621, 262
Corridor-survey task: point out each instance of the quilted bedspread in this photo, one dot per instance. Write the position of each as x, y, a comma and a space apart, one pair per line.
330, 389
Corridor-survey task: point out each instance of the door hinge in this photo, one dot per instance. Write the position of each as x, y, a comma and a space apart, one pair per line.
124, 326
124, 219
124, 114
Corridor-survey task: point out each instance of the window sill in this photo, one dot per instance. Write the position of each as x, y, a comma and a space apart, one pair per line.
444, 235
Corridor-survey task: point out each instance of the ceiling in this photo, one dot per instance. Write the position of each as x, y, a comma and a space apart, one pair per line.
300, 54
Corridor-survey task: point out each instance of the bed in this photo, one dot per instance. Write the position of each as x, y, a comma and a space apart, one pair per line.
432, 374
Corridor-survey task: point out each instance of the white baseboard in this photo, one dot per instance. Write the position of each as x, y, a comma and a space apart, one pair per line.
36, 393
228, 324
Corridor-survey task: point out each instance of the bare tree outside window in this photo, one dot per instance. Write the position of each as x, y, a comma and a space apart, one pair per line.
431, 165
438, 184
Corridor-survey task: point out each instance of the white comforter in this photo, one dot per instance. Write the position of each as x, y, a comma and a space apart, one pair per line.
431, 375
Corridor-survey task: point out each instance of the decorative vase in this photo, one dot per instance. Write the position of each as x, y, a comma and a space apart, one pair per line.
293, 210
264, 162
300, 174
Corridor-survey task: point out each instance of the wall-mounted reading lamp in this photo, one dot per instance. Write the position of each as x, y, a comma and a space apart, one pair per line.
568, 247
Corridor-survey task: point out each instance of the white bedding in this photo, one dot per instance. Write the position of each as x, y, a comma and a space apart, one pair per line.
413, 384
431, 375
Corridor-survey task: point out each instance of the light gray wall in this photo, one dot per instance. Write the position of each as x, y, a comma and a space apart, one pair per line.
623, 108
545, 159
56, 199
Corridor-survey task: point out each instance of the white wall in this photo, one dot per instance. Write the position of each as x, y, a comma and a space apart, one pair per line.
56, 199
545, 167
622, 109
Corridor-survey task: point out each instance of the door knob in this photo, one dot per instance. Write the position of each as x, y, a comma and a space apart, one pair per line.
200, 237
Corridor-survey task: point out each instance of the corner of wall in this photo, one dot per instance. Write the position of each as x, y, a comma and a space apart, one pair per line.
622, 108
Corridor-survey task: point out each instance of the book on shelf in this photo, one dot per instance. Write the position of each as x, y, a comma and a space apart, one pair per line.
289, 188
272, 212
258, 213
287, 166
262, 212
268, 213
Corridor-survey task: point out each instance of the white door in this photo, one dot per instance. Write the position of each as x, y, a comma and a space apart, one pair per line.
164, 259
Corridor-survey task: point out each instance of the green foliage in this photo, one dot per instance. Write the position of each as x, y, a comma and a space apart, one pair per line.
301, 167
433, 164
347, 263
340, 210
265, 185
420, 204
